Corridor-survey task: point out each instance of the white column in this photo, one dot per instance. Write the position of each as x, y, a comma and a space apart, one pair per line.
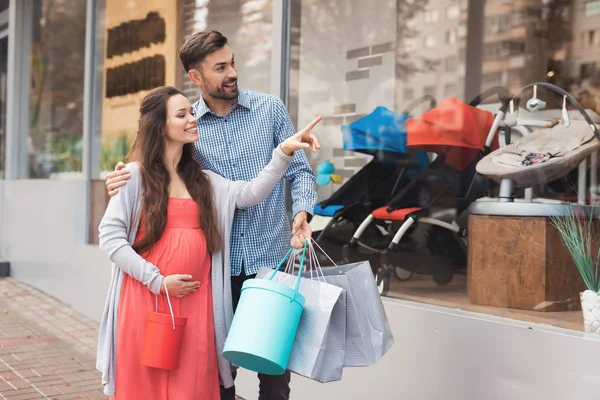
17, 102
280, 55
88, 114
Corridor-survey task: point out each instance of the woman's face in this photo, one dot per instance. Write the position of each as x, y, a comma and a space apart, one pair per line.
181, 127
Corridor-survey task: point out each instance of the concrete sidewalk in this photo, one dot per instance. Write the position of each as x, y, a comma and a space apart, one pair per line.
47, 350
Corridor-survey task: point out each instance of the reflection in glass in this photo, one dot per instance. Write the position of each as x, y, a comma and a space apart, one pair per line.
56, 88
247, 24
347, 61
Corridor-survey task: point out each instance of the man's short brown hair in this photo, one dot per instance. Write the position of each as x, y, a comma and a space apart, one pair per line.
200, 45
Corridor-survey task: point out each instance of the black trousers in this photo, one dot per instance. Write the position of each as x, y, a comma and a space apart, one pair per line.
270, 387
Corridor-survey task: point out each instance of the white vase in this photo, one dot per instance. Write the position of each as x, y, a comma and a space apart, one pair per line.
590, 305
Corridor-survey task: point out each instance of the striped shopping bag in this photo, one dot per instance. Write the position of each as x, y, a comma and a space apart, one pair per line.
368, 333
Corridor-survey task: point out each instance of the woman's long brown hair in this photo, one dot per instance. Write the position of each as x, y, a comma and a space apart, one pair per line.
148, 150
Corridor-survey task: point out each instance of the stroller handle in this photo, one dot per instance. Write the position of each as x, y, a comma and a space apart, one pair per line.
416, 102
561, 92
502, 93
505, 98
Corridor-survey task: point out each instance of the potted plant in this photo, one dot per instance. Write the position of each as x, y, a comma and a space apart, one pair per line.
581, 236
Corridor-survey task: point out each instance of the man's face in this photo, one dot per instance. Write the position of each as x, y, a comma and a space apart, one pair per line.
219, 75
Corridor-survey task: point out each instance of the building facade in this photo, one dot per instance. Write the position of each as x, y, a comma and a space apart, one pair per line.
73, 73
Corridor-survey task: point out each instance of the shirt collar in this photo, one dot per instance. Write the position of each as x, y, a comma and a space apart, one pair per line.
243, 99
200, 107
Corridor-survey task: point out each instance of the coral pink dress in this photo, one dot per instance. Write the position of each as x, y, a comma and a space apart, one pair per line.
182, 249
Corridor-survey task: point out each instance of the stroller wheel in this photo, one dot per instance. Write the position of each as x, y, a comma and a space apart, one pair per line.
402, 274
382, 278
443, 276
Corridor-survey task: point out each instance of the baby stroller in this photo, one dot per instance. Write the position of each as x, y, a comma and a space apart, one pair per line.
381, 134
460, 135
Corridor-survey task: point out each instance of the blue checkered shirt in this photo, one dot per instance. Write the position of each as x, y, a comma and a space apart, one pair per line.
238, 146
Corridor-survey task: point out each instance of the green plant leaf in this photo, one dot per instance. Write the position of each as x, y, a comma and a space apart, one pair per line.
581, 236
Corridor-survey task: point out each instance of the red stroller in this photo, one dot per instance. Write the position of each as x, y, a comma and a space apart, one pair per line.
460, 135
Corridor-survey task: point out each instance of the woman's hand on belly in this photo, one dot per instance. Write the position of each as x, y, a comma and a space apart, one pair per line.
179, 285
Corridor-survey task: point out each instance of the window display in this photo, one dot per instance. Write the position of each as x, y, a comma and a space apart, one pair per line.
418, 228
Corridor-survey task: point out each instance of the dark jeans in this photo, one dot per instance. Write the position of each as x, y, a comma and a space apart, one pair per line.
270, 387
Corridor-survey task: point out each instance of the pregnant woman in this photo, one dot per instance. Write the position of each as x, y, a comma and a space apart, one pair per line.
169, 227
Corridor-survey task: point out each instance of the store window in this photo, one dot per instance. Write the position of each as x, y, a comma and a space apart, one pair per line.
56, 89
516, 45
142, 38
247, 24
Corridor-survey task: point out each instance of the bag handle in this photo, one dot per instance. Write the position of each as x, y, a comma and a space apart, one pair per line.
322, 251
422, 99
169, 302
566, 96
297, 288
314, 260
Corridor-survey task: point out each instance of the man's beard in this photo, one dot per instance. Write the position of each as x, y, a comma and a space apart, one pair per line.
221, 93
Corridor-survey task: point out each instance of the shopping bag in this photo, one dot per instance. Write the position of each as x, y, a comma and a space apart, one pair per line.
163, 337
368, 333
318, 349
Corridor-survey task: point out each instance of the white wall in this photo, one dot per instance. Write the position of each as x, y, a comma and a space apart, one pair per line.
443, 354
42, 236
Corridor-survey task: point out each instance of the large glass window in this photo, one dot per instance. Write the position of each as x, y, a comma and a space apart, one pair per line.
141, 39
246, 23
348, 63
56, 88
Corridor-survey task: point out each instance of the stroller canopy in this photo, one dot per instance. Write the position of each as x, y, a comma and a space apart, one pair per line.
382, 130
454, 129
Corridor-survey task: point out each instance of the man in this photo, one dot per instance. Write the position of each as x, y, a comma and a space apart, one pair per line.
238, 131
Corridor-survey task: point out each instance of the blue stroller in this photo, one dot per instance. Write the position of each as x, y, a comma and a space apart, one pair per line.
381, 134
